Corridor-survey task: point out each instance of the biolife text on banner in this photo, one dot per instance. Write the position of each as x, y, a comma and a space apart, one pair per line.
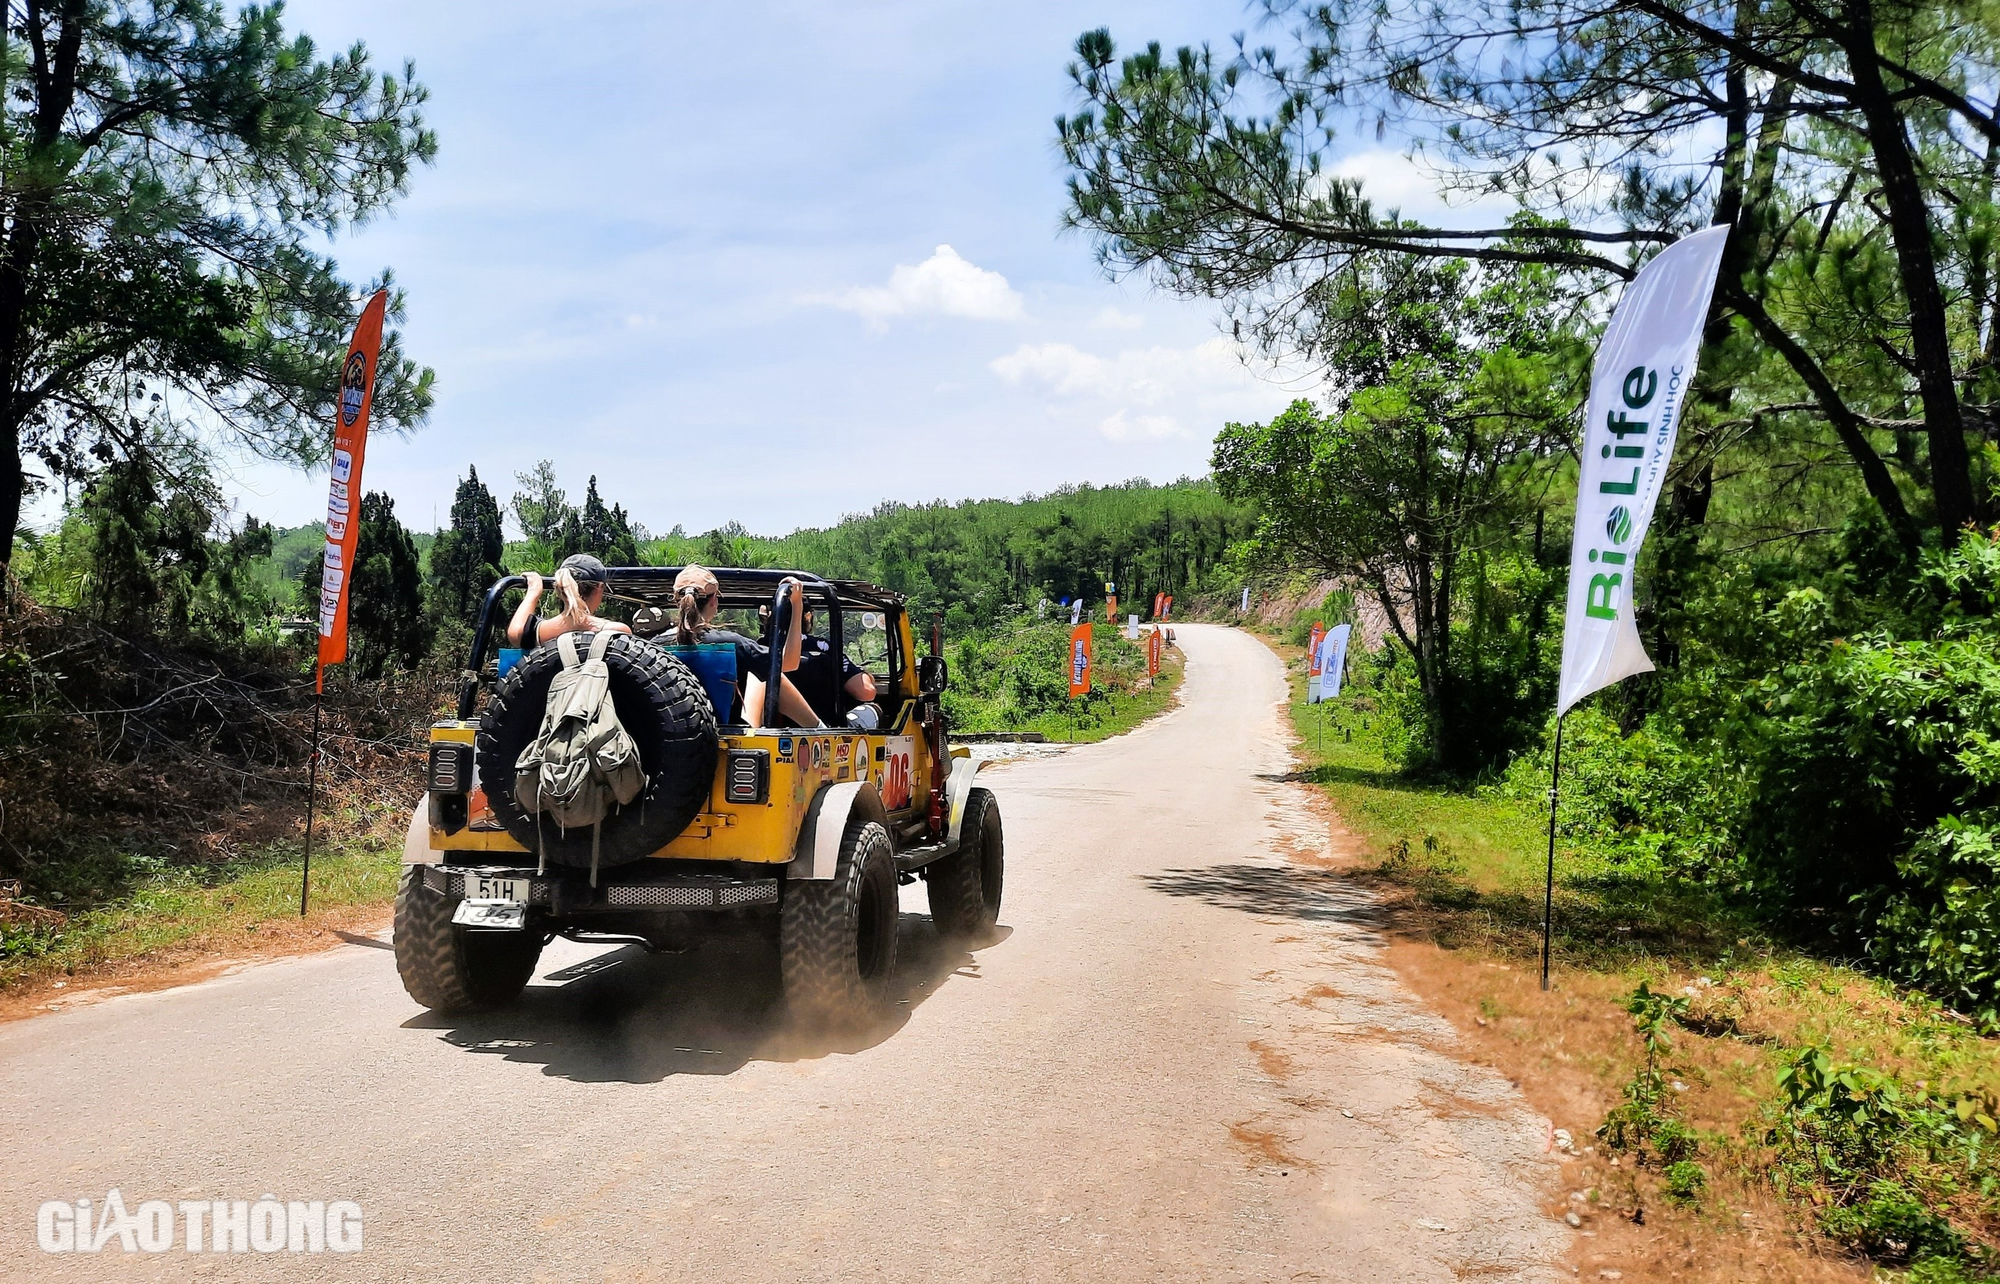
1643, 374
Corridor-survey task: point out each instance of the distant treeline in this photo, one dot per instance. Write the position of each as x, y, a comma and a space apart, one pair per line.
971, 561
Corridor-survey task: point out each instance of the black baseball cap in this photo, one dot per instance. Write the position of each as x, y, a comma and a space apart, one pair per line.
587, 569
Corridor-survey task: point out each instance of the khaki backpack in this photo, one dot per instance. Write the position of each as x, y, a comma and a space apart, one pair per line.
581, 762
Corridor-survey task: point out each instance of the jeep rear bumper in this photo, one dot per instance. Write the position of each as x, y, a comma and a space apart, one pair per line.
564, 894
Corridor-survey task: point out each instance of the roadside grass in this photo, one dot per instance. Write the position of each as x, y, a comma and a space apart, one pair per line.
1121, 701
1119, 712
1875, 1161
183, 911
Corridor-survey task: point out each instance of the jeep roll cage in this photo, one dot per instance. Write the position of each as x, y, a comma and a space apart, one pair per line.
740, 588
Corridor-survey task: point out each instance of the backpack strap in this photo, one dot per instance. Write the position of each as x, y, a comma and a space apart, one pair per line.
566, 643
600, 642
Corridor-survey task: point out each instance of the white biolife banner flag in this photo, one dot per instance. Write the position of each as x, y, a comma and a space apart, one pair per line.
1332, 659
1643, 374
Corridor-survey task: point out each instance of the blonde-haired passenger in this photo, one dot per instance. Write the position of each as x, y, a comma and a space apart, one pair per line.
581, 582
698, 597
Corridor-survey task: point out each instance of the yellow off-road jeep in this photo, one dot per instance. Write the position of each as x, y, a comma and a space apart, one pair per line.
801, 834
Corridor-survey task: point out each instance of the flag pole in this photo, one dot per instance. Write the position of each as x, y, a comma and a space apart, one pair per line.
312, 794
1549, 886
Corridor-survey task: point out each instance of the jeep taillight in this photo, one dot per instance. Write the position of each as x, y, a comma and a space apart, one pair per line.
746, 776
451, 767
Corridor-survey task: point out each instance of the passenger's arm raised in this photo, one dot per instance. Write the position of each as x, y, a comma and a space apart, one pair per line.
526, 610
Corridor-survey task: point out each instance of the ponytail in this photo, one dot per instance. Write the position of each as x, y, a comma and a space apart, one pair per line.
688, 632
574, 613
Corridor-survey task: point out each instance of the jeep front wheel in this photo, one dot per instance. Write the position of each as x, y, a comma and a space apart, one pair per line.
837, 938
965, 886
448, 968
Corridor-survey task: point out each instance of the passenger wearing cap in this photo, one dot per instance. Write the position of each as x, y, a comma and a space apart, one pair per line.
698, 597
581, 580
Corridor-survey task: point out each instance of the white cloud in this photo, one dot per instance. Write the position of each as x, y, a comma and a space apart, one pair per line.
1142, 376
1141, 394
1420, 189
1141, 427
1113, 319
945, 284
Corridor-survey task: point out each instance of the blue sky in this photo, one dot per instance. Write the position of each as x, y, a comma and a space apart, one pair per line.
695, 250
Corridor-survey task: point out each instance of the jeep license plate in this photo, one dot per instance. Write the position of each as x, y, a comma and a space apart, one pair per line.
478, 888
509, 915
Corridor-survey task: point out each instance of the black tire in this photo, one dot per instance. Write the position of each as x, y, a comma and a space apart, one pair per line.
448, 968
837, 939
965, 886
665, 710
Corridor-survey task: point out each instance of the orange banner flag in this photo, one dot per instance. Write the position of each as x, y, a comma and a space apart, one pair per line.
1079, 659
343, 497
1153, 653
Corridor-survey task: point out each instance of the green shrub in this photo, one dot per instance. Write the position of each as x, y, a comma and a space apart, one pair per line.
1890, 1223
1876, 771
1647, 800
1684, 1180
1880, 1158
1016, 673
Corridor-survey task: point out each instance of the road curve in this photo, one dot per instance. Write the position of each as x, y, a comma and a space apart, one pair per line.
1182, 1061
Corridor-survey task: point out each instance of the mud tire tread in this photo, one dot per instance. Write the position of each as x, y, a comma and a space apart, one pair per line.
447, 968
962, 904
824, 983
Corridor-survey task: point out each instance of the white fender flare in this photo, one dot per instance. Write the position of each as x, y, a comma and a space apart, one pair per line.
818, 851
417, 849
957, 789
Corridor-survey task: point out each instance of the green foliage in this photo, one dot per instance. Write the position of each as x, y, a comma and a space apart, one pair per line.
170, 171
1684, 1180
1422, 488
1860, 1138
137, 551
1645, 1117
540, 506
1875, 782
1647, 799
1218, 176
465, 559
605, 533
1014, 676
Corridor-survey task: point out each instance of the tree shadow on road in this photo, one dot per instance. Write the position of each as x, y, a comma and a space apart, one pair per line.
628, 1016
1278, 891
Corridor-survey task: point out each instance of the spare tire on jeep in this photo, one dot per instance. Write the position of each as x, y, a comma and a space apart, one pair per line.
663, 708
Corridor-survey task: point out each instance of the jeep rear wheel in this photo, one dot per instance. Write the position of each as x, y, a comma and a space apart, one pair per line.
837, 938
448, 968
965, 886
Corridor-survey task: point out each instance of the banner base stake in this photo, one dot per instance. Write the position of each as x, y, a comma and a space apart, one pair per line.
312, 797
1549, 885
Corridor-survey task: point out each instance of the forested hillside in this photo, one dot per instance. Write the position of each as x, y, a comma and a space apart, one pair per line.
970, 561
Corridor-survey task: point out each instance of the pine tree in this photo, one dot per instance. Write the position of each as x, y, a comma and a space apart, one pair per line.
465, 560
604, 533
170, 172
540, 506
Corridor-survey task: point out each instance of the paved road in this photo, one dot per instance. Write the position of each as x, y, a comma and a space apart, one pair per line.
1182, 1061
